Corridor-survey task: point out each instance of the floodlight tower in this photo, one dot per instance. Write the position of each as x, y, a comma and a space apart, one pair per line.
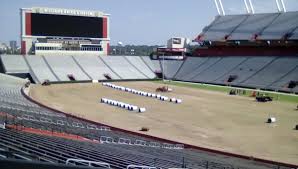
283, 5
247, 7
279, 4
120, 47
251, 7
222, 8
219, 7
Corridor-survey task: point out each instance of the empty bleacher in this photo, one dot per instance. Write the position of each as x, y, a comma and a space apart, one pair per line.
293, 33
123, 68
270, 26
189, 66
265, 72
14, 64
283, 83
139, 64
170, 67
95, 67
219, 69
63, 66
272, 72
11, 80
285, 23
252, 26
246, 69
79, 68
194, 76
156, 65
222, 27
36, 147
49, 149
119, 150
148, 62
40, 69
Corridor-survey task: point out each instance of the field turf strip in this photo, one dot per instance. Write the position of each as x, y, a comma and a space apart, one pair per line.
276, 95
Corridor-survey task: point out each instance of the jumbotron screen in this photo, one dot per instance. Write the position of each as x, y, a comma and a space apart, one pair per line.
66, 26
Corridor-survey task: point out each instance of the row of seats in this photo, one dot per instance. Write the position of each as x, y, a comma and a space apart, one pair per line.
265, 26
58, 150
81, 68
32, 115
28, 146
271, 72
118, 154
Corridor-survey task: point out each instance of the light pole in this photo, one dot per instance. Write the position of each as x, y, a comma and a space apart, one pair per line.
120, 47
163, 67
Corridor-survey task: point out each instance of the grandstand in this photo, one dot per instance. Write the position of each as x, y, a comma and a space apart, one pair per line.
26, 138
82, 68
257, 72
272, 26
255, 51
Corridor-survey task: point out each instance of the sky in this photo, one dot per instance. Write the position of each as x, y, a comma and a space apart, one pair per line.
138, 22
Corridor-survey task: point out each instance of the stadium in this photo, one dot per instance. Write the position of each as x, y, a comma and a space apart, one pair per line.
232, 104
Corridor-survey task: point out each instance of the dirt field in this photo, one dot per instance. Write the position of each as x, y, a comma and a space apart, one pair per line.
205, 118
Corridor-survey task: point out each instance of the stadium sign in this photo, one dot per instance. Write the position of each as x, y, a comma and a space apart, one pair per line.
58, 11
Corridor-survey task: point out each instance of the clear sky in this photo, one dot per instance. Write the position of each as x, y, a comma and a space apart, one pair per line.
138, 22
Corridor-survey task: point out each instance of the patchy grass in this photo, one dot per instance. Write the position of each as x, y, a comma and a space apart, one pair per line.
242, 91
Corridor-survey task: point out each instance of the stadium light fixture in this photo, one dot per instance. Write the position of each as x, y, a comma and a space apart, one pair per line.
251, 6
222, 8
283, 5
246, 5
217, 7
278, 5
268, 42
120, 44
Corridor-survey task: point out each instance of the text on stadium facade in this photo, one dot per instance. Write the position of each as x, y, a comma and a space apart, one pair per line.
67, 12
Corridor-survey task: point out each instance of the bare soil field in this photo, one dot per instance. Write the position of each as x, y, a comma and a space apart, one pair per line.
205, 118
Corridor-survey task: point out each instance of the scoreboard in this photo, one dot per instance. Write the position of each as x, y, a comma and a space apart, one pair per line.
66, 26
39, 24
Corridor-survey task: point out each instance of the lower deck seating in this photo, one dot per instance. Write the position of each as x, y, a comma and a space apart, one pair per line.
246, 69
14, 64
40, 69
170, 67
78, 68
194, 76
219, 69
123, 68
188, 67
273, 72
148, 62
266, 72
94, 66
27, 146
283, 83
139, 64
156, 66
64, 67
